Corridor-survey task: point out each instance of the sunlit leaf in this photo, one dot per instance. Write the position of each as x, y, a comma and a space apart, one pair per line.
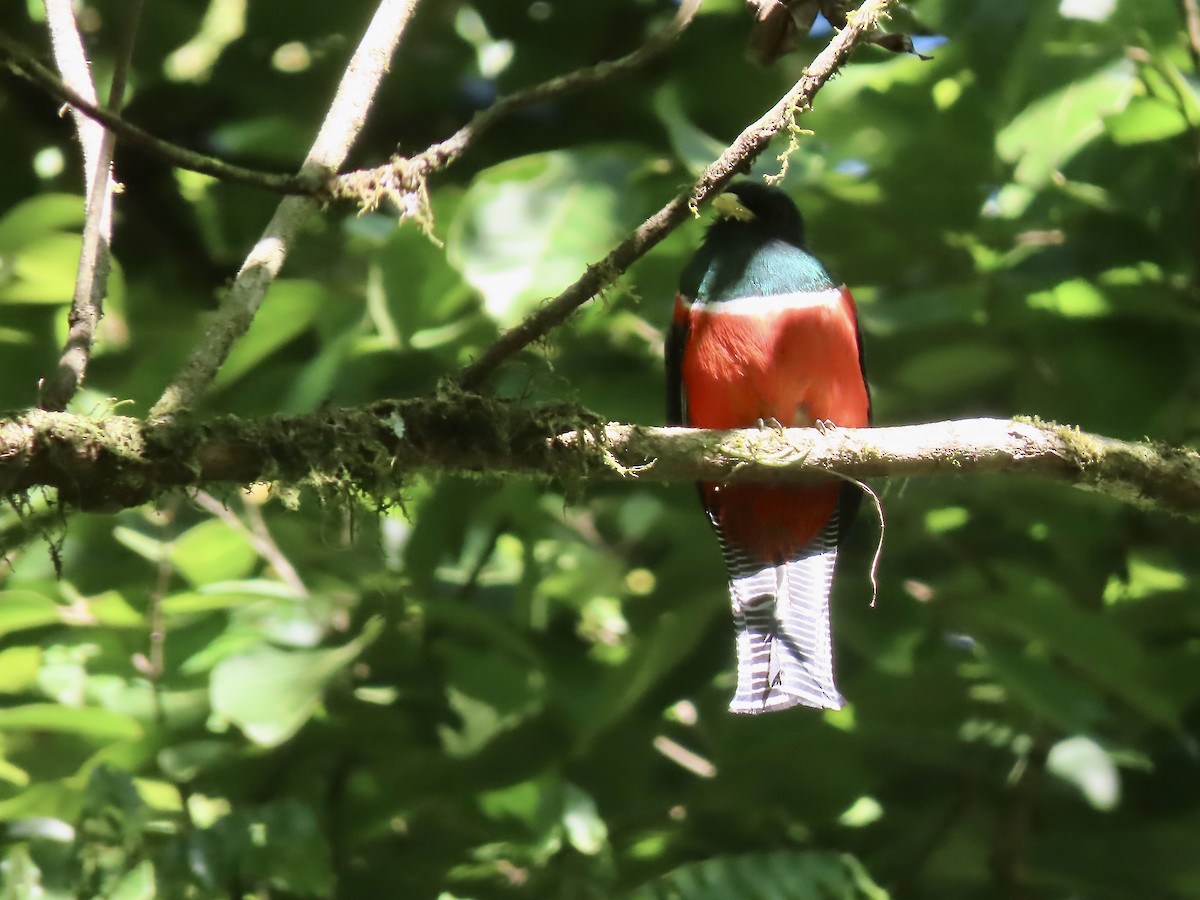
19, 668
1055, 127
585, 830
43, 271
89, 722
1145, 579
1076, 298
1146, 119
44, 214
786, 875
20, 610
213, 551
1084, 763
271, 693
528, 227
139, 883
287, 311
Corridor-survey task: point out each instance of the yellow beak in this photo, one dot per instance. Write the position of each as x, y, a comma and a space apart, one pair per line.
728, 206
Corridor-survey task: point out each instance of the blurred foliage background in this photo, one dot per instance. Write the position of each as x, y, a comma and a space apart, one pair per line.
498, 690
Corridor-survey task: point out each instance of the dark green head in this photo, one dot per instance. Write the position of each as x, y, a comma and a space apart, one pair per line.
750, 208
755, 247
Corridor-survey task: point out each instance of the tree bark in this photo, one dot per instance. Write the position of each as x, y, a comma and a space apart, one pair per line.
119, 462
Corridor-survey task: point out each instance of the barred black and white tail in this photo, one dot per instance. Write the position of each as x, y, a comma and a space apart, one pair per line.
781, 612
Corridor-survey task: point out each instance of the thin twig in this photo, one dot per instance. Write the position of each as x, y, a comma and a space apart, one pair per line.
748, 145
156, 662
258, 536
873, 572
405, 177
72, 62
1015, 824
345, 119
91, 277
399, 176
22, 63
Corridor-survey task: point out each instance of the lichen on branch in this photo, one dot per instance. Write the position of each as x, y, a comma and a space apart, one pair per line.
119, 462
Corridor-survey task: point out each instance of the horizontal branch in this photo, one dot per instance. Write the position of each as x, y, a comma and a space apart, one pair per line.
120, 462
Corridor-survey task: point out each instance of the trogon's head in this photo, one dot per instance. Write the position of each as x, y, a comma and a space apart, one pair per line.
753, 208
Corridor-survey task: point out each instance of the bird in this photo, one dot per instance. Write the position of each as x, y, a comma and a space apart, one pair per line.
762, 335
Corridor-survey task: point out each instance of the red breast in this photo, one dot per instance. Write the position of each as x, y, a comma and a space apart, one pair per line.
793, 358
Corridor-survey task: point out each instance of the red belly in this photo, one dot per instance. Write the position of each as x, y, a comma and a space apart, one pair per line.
795, 366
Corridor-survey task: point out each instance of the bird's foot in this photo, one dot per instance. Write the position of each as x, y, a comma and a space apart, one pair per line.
824, 426
773, 423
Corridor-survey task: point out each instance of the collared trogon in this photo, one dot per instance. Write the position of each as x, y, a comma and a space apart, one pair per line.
762, 335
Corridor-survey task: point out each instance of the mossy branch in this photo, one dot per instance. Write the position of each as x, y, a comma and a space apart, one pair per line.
120, 462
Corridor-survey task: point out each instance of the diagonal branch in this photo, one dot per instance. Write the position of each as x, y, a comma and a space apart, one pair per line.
341, 127
399, 178
22, 63
95, 255
402, 178
121, 462
748, 145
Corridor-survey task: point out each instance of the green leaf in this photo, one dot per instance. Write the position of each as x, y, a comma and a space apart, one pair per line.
946, 519
49, 799
695, 148
188, 604
954, 368
20, 877
111, 610
1073, 299
585, 830
185, 761
1044, 689
147, 547
528, 227
213, 551
270, 693
18, 668
786, 875
1054, 128
284, 845
1083, 763
22, 610
43, 271
286, 312
88, 722
1091, 642
139, 883
1146, 577
43, 214
674, 637
1146, 119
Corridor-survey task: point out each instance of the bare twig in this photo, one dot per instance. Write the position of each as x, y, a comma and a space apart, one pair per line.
398, 177
22, 63
259, 537
1016, 824
72, 62
91, 278
748, 145
341, 127
121, 462
403, 179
